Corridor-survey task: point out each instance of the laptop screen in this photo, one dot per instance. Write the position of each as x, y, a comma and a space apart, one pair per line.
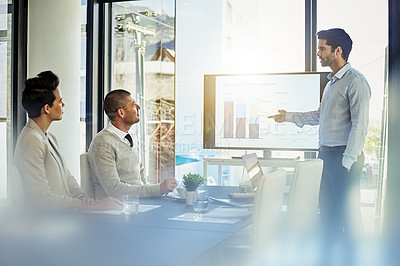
253, 168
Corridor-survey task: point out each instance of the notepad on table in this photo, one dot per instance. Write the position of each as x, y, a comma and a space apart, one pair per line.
222, 212
232, 202
201, 218
142, 208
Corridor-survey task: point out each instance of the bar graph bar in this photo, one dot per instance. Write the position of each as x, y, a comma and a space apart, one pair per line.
228, 117
240, 109
254, 123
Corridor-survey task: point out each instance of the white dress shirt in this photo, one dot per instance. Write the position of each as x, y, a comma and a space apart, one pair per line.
121, 134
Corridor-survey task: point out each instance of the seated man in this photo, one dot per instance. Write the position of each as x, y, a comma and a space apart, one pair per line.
113, 155
45, 180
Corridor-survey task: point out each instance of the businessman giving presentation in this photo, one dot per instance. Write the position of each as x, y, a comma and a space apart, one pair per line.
343, 121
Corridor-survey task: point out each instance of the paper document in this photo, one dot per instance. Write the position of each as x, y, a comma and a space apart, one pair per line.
201, 218
142, 208
110, 212
145, 208
243, 195
223, 212
172, 195
232, 202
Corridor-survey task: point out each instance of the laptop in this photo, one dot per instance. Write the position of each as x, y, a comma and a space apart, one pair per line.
253, 168
255, 173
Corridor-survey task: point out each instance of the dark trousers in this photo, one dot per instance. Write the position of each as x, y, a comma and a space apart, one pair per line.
339, 202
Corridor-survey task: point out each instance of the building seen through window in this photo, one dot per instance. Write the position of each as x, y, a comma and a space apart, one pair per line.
143, 62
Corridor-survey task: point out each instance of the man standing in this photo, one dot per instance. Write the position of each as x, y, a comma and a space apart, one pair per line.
343, 120
114, 154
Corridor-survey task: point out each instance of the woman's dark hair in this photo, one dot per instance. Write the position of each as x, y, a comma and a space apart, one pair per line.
337, 37
38, 92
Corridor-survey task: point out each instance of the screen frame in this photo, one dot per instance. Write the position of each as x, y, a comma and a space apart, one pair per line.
209, 109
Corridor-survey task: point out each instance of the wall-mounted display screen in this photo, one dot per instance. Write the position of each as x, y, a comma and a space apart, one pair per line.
236, 110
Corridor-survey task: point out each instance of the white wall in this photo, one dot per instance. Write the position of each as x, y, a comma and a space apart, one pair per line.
54, 44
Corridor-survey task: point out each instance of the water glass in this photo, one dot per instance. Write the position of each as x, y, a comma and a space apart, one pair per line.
200, 204
181, 192
130, 204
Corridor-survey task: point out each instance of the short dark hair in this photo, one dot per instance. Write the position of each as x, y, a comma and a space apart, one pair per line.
115, 100
38, 92
337, 37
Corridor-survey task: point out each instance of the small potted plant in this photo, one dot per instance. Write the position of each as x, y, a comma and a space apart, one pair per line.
191, 183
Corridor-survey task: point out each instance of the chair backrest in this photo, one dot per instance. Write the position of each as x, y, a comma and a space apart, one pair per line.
304, 192
267, 217
86, 181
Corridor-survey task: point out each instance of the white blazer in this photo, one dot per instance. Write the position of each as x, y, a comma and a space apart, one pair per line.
43, 172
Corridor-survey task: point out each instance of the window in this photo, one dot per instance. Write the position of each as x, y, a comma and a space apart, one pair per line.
5, 94
228, 12
83, 77
143, 62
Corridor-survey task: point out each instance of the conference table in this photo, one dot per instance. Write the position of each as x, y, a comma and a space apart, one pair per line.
147, 238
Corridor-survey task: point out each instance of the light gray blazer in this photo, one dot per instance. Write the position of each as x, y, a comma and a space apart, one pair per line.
46, 180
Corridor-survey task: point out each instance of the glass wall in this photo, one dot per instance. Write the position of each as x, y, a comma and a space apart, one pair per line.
370, 41
5, 95
83, 77
143, 62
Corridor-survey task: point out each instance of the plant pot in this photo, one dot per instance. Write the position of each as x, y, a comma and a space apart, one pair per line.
191, 196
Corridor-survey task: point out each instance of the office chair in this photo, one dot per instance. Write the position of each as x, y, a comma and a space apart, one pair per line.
267, 219
302, 211
86, 180
251, 243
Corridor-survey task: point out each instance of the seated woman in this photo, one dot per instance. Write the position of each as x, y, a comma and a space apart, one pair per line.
46, 181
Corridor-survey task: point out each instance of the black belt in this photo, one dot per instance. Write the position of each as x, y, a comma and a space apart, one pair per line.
336, 148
